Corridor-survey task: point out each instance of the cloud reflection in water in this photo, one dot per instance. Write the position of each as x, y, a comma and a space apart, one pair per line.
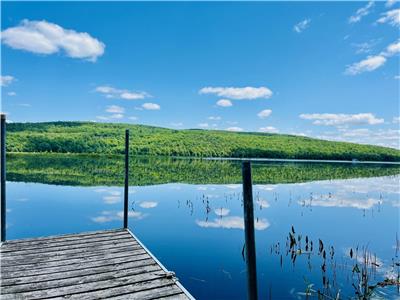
233, 222
109, 216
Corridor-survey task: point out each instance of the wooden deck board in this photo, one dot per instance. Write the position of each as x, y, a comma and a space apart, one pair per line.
92, 265
43, 264
79, 247
78, 266
67, 241
32, 259
75, 273
64, 237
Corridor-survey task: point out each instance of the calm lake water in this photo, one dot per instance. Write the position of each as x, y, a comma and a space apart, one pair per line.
195, 226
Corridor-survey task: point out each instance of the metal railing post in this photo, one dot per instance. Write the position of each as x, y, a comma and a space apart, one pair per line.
250, 244
3, 176
126, 188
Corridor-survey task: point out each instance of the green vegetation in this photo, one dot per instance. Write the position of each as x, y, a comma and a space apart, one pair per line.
92, 170
87, 137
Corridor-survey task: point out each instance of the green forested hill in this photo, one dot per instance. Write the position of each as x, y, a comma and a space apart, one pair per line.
95, 170
107, 138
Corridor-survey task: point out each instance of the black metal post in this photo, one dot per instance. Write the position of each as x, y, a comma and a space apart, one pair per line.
250, 246
3, 176
126, 189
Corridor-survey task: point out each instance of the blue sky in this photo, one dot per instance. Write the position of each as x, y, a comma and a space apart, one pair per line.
327, 70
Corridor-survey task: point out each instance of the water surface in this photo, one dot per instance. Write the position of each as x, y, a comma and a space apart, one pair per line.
190, 215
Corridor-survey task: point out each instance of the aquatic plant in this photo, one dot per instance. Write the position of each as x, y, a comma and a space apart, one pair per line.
362, 268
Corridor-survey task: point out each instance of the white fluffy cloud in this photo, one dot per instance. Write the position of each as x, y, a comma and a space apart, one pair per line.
43, 37
238, 93
148, 204
264, 113
268, 129
326, 201
342, 119
11, 94
110, 117
214, 118
116, 116
392, 49
224, 103
301, 26
366, 65
372, 63
232, 223
115, 109
222, 212
234, 128
391, 17
111, 92
132, 95
380, 137
365, 47
151, 106
110, 216
361, 12
111, 199
6, 80
262, 203
390, 3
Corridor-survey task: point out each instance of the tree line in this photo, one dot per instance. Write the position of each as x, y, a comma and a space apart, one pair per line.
107, 138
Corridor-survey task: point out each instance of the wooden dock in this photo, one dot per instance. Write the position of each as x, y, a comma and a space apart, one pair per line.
111, 264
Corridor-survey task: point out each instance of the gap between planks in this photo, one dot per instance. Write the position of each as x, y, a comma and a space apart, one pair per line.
93, 265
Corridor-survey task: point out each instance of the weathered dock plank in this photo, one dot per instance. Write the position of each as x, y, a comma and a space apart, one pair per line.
65, 237
79, 266
73, 260
96, 265
33, 259
76, 273
68, 240
80, 247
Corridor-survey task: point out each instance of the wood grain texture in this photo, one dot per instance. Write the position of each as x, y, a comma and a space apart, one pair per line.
92, 265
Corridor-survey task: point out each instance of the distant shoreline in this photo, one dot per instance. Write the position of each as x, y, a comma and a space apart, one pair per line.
306, 160
255, 160
109, 139
99, 170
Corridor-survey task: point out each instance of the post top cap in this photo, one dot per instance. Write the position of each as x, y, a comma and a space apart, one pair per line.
3, 116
